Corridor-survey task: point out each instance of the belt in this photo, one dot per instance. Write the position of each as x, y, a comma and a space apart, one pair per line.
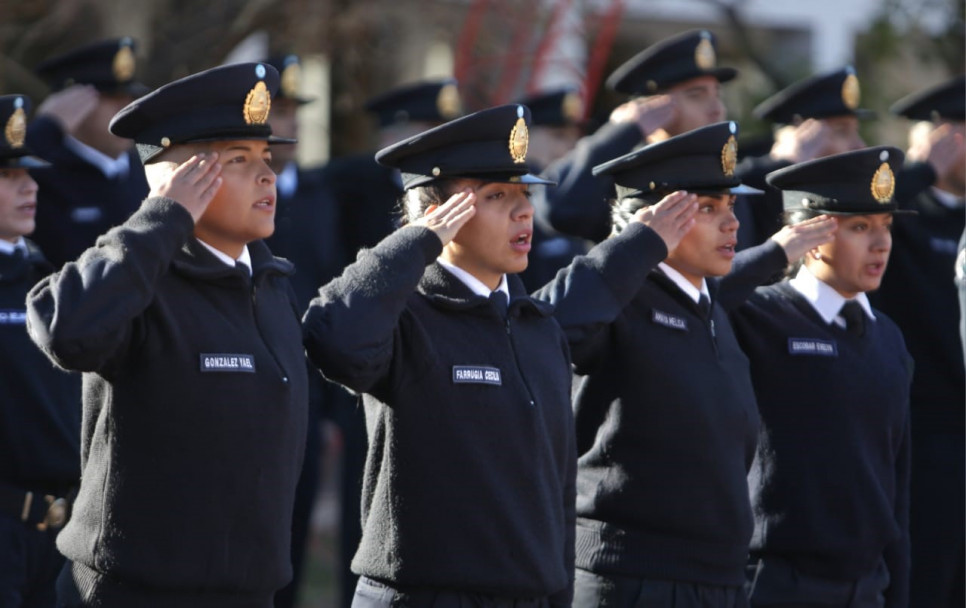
45, 511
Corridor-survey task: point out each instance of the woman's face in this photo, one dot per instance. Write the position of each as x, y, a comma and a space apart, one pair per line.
708, 248
496, 241
18, 204
855, 260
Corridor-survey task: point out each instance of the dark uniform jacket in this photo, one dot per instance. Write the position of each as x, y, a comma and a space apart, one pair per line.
469, 480
194, 410
665, 415
830, 482
40, 408
76, 202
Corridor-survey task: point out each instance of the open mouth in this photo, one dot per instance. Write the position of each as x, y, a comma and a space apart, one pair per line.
266, 203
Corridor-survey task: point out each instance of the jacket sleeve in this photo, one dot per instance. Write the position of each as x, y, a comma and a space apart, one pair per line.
579, 204
897, 555
590, 293
565, 597
83, 316
752, 267
350, 329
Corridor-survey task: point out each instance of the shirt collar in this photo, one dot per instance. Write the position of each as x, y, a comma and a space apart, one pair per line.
685, 285
245, 258
824, 299
287, 181
947, 199
110, 167
475, 285
7, 248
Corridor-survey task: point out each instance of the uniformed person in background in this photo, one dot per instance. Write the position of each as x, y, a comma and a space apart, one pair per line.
817, 117
39, 404
368, 195
676, 85
556, 118
919, 292
94, 181
830, 481
468, 496
308, 233
195, 389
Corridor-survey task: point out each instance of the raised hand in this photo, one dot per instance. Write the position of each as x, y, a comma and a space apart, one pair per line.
447, 219
70, 106
193, 183
801, 238
671, 218
651, 113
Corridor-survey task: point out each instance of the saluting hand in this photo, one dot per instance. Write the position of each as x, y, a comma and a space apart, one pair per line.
671, 218
193, 183
71, 106
650, 113
801, 238
447, 219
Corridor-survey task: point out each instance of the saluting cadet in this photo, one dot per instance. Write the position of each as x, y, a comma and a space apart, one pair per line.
95, 180
187, 331
665, 412
919, 292
468, 496
830, 480
39, 404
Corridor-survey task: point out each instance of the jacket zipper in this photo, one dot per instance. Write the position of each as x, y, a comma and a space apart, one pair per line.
516, 358
278, 364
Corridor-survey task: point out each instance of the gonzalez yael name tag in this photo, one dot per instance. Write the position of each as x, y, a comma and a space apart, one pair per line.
813, 347
669, 320
13, 317
227, 362
476, 374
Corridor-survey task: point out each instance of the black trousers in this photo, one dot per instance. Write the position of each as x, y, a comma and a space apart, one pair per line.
593, 590
373, 594
774, 582
29, 564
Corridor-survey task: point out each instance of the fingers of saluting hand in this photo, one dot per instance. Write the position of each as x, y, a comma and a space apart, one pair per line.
447, 219
672, 217
801, 238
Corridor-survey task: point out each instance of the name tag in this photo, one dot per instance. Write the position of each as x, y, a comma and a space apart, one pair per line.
947, 246
13, 317
86, 215
669, 320
475, 374
811, 346
227, 362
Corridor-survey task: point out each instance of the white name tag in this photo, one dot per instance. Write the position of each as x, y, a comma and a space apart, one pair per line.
13, 317
669, 320
811, 346
227, 362
476, 374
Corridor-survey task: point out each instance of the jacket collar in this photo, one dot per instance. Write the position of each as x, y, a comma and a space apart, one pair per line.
195, 261
444, 290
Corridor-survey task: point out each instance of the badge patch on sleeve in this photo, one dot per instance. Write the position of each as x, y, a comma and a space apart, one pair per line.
13, 317
669, 320
227, 362
811, 346
476, 374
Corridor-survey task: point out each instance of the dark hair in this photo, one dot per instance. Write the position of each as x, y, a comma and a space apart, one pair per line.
622, 211
414, 202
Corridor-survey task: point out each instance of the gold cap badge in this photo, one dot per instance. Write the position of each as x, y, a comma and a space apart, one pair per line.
289, 79
16, 128
123, 64
704, 55
519, 138
729, 156
851, 93
572, 107
448, 102
257, 104
883, 184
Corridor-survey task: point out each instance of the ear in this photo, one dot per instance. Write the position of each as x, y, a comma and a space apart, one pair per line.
430, 209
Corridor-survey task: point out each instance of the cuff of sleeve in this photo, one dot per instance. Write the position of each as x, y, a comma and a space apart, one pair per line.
625, 259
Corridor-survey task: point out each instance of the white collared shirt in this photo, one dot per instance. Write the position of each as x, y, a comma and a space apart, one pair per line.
245, 258
685, 285
824, 299
287, 181
110, 167
475, 285
7, 248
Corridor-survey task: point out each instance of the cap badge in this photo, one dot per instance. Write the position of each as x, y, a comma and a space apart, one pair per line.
851, 92
572, 107
289, 79
519, 139
729, 156
257, 104
123, 64
16, 128
704, 55
883, 184
448, 102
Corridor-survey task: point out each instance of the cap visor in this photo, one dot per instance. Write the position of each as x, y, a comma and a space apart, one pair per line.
743, 189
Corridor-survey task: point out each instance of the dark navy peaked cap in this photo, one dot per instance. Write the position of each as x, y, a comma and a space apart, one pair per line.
668, 62
224, 103
860, 182
700, 161
14, 153
821, 96
490, 145
555, 108
109, 65
946, 100
289, 77
432, 101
